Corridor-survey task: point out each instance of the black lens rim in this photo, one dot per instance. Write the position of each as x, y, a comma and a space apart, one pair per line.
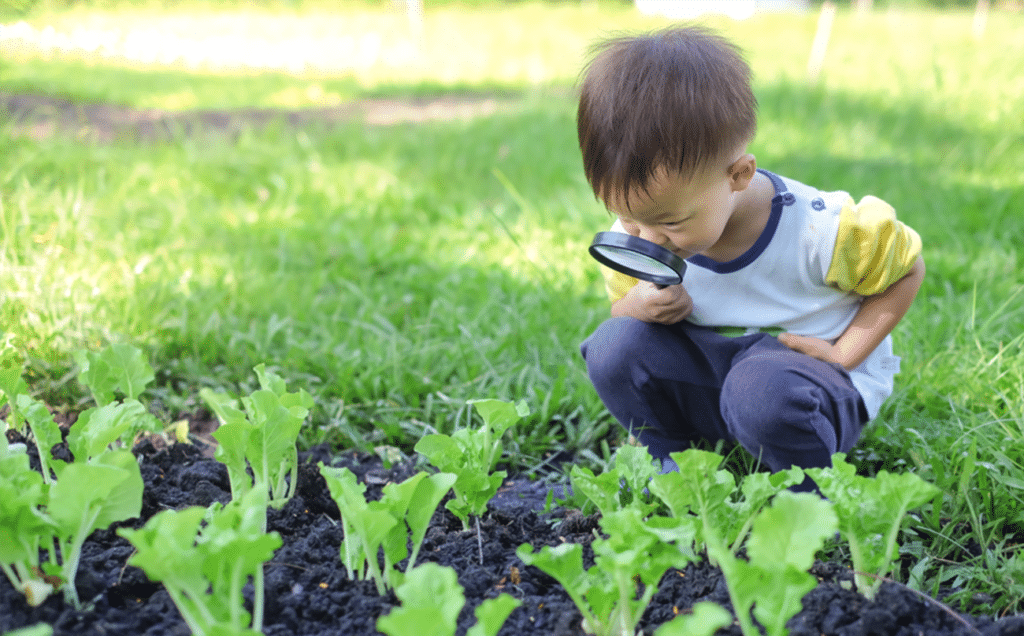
639, 246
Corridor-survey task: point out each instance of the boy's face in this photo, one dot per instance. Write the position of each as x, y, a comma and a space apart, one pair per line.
686, 215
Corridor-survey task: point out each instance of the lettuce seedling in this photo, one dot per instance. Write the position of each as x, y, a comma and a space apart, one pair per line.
773, 581
45, 432
24, 527
58, 517
89, 496
116, 368
472, 455
431, 601
115, 425
401, 517
701, 489
23, 408
871, 512
102, 486
261, 437
637, 549
204, 569
622, 485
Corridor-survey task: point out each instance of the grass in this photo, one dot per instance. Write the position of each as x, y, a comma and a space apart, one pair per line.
397, 270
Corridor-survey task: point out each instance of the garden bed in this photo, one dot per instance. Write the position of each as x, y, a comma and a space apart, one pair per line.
308, 592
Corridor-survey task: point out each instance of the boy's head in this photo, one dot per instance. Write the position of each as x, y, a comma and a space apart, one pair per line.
678, 100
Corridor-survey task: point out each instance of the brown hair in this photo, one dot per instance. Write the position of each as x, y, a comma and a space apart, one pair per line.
677, 99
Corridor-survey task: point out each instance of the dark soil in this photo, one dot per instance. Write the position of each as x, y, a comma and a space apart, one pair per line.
307, 591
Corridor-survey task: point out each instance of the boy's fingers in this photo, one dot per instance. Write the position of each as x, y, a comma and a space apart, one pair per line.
813, 347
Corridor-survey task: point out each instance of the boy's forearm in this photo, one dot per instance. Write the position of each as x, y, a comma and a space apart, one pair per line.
877, 317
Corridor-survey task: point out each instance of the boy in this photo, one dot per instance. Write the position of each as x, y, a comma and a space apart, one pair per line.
664, 122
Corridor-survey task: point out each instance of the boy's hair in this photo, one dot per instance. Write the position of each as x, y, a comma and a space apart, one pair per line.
678, 99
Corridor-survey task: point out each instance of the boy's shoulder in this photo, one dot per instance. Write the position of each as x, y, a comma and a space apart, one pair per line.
799, 195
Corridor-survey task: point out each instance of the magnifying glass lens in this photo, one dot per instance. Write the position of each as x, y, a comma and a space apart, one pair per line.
640, 263
638, 258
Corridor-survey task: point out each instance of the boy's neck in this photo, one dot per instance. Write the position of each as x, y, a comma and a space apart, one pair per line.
747, 223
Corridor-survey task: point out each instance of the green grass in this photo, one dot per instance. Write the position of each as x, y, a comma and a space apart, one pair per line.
397, 270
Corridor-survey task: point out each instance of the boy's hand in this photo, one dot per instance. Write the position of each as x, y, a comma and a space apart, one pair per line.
650, 303
814, 347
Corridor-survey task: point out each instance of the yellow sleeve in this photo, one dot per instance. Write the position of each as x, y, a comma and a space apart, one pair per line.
616, 283
873, 249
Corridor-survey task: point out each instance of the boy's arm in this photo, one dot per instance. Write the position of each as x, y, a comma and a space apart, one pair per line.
877, 317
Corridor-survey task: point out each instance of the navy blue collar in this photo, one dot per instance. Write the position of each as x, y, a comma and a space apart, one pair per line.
781, 199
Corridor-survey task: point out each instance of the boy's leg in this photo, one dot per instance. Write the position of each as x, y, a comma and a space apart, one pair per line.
662, 383
671, 384
787, 408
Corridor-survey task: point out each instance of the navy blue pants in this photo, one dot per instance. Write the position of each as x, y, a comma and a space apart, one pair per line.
669, 385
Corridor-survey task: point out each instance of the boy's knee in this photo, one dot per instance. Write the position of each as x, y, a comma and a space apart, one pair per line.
766, 408
613, 344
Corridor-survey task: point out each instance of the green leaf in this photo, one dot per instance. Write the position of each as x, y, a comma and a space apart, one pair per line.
871, 512
232, 447
272, 452
492, 614
791, 530
234, 543
783, 540
563, 562
475, 485
12, 367
431, 600
90, 496
232, 439
775, 593
223, 406
499, 415
706, 619
635, 465
165, 548
119, 367
44, 430
205, 570
99, 428
367, 526
423, 502
105, 491
300, 402
602, 490
442, 451
698, 488
23, 524
42, 629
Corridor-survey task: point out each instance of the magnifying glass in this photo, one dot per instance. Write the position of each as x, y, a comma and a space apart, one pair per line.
637, 257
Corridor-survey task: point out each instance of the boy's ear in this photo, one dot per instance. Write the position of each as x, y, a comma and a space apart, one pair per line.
742, 172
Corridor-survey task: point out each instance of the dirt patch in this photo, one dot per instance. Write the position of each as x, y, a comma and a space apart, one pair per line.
41, 117
308, 592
